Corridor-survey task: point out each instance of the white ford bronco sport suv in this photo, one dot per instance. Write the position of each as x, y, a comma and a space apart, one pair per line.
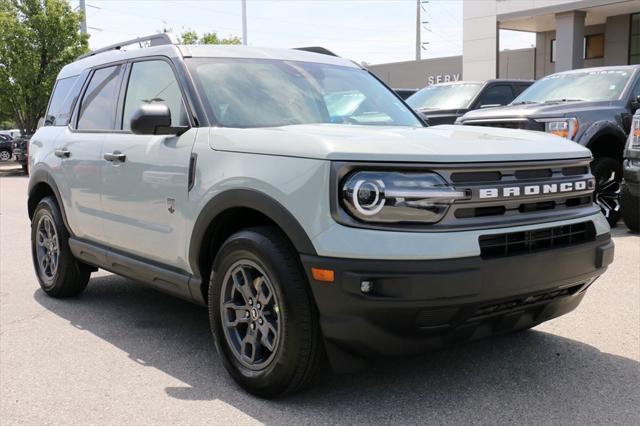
306, 205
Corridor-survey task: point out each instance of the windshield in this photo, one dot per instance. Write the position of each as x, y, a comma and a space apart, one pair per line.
447, 96
268, 93
602, 85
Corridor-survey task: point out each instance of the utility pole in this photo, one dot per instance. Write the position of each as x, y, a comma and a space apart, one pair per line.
418, 30
83, 24
244, 22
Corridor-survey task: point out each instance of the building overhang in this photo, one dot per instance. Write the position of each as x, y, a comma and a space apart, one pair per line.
543, 19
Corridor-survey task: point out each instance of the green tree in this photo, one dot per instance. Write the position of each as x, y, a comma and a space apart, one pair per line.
191, 37
37, 38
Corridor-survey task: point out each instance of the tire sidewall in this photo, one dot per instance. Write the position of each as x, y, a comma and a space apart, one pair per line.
47, 206
257, 248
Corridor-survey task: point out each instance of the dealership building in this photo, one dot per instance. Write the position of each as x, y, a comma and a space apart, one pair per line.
570, 34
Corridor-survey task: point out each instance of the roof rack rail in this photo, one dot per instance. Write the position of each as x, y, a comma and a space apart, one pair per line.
316, 49
154, 40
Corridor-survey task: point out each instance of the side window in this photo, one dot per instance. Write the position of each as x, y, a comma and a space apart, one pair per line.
99, 103
151, 82
519, 88
496, 95
64, 95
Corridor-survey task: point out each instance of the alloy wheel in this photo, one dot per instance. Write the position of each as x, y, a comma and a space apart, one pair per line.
48, 248
607, 195
5, 156
251, 317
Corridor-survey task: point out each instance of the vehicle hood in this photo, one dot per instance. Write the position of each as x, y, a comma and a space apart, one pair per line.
441, 116
446, 143
539, 110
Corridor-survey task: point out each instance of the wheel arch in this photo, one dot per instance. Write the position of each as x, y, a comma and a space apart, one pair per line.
606, 140
41, 184
231, 211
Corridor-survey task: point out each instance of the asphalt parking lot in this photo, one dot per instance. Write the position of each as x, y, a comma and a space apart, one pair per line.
125, 354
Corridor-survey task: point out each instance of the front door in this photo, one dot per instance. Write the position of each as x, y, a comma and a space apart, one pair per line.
145, 178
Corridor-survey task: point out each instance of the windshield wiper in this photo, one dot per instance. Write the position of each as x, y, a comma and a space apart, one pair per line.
524, 102
557, 101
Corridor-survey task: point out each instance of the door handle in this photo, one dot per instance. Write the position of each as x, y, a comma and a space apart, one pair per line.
115, 157
62, 153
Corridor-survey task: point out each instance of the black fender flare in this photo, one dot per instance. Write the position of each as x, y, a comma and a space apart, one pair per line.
603, 128
38, 177
255, 200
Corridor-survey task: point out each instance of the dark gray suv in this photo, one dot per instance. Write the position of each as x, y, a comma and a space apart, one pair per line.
592, 106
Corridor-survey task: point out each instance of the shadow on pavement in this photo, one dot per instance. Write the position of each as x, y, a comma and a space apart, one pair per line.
533, 376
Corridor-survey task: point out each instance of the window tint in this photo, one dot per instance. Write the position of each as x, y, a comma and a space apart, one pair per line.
153, 82
496, 95
519, 88
594, 46
98, 108
64, 96
635, 93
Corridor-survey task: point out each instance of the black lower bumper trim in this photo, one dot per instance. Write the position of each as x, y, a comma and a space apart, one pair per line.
417, 305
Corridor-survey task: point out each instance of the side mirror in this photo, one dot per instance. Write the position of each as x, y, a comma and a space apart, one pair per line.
154, 119
635, 103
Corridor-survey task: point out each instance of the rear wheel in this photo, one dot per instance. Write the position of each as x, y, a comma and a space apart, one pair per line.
261, 313
630, 209
59, 273
608, 174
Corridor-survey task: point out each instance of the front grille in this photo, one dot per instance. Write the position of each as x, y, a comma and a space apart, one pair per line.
525, 124
513, 243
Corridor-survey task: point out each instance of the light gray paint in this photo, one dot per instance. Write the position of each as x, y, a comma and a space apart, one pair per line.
418, 74
616, 46
616, 40
569, 41
517, 64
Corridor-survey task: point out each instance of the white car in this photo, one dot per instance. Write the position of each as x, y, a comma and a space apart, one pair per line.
306, 205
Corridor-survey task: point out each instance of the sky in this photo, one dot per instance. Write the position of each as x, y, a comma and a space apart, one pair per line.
367, 31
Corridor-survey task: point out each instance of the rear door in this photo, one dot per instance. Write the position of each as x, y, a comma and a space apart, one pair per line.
145, 178
79, 150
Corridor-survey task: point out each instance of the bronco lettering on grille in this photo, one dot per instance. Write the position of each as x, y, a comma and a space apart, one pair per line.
526, 190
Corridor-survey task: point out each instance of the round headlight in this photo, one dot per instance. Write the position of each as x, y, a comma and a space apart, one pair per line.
396, 197
368, 196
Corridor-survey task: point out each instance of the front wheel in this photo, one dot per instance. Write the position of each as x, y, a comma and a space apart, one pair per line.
630, 209
262, 315
5, 155
59, 273
608, 174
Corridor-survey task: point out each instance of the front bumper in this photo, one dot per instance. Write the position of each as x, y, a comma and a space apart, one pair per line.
417, 305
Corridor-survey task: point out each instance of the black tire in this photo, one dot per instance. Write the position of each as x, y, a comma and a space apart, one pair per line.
297, 345
69, 277
608, 174
5, 155
630, 209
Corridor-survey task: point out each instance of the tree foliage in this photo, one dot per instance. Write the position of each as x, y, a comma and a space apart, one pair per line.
37, 38
191, 37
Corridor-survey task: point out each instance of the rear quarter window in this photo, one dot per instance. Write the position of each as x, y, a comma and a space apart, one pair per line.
65, 93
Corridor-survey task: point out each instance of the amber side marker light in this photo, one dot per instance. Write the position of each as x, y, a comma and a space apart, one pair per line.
324, 275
